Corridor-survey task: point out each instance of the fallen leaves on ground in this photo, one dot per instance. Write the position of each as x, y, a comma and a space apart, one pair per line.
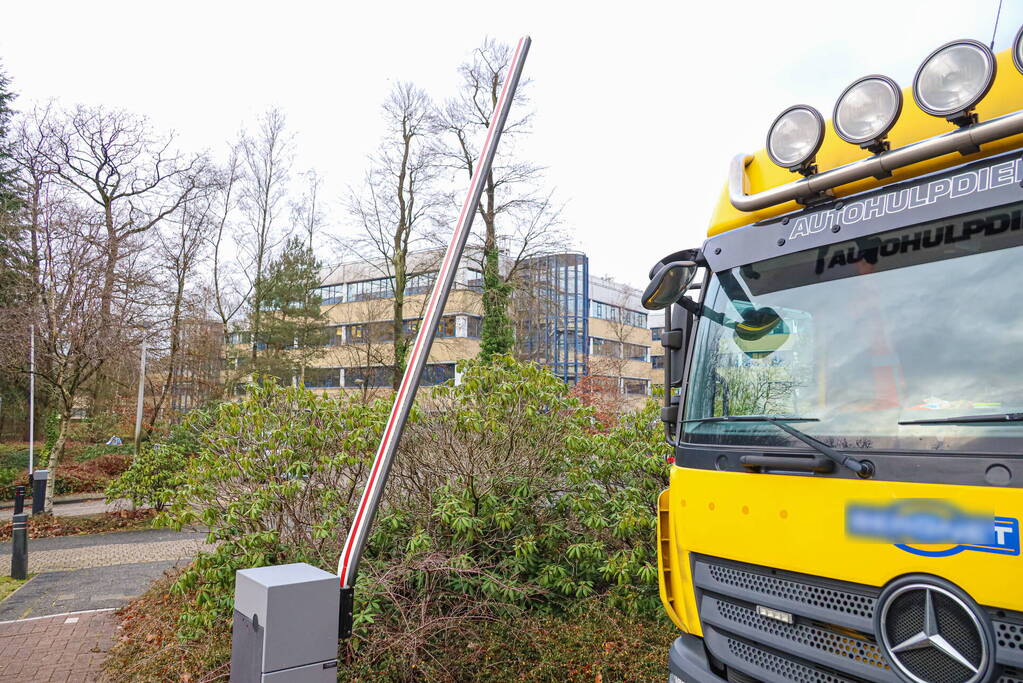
46, 526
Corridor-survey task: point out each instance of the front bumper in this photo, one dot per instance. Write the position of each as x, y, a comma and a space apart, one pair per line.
688, 662
830, 640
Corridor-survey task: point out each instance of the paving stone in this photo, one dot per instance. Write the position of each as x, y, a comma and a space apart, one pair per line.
93, 631
78, 573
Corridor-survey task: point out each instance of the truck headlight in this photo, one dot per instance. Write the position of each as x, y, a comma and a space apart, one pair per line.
953, 79
794, 138
867, 110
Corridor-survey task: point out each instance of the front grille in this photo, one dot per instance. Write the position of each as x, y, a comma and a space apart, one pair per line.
846, 605
825, 598
1011, 676
1009, 640
814, 641
832, 636
765, 665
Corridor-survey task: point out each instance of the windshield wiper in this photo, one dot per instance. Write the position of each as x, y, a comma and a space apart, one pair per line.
862, 468
967, 419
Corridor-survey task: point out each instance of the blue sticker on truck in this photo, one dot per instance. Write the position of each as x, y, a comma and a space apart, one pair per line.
932, 528
1006, 542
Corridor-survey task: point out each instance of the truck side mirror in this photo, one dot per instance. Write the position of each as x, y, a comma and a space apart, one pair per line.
668, 284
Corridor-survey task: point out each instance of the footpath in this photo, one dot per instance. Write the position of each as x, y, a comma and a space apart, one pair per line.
59, 624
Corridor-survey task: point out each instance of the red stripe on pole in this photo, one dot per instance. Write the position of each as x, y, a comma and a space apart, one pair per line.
406, 391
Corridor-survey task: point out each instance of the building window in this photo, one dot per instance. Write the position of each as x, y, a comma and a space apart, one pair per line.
333, 335
380, 288
438, 374
598, 309
239, 338
657, 361
357, 378
420, 284
318, 378
605, 347
636, 352
635, 387
474, 326
446, 327
356, 334
634, 318
330, 294
473, 280
656, 332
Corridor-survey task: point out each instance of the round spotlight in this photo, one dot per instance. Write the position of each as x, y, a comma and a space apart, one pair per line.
867, 110
795, 136
953, 79
1017, 50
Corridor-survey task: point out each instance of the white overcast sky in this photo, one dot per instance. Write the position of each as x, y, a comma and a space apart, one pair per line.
640, 105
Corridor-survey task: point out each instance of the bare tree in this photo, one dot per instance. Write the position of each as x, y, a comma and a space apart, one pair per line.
71, 341
114, 165
398, 201
116, 162
228, 297
266, 158
307, 214
518, 217
181, 250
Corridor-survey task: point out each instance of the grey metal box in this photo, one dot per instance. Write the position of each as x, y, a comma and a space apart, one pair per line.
294, 608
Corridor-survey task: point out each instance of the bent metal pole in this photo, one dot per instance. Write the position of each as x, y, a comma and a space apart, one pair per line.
349, 563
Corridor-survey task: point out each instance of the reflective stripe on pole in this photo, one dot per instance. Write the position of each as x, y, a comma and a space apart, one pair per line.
348, 565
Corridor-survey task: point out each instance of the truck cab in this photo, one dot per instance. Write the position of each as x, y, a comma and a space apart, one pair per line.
844, 392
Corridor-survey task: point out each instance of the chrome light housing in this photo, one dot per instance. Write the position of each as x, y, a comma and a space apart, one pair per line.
953, 79
1017, 50
794, 138
867, 110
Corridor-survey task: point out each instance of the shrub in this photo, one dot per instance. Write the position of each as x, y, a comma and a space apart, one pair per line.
504, 503
14, 455
9, 476
96, 450
273, 477
97, 429
151, 479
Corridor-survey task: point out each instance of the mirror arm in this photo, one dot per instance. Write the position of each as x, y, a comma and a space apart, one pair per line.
694, 307
672, 339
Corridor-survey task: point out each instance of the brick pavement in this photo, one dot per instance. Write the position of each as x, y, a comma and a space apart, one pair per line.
106, 555
80, 573
71, 647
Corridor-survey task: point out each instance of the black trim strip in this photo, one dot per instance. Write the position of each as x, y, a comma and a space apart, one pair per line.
907, 466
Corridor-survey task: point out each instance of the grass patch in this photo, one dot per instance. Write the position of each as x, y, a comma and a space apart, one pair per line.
46, 526
9, 585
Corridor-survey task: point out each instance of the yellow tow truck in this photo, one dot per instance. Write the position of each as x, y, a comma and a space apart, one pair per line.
846, 392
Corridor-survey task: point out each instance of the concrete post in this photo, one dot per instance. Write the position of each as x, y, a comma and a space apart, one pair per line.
19, 547
19, 499
39, 478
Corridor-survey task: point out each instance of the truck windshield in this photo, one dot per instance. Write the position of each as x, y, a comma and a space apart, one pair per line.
912, 324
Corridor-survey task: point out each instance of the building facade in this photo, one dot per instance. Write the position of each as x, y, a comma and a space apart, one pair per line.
577, 325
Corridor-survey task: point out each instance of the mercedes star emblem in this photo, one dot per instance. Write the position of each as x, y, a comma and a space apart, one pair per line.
965, 645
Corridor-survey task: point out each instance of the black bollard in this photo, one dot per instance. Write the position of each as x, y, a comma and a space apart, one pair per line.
19, 550
39, 478
19, 499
